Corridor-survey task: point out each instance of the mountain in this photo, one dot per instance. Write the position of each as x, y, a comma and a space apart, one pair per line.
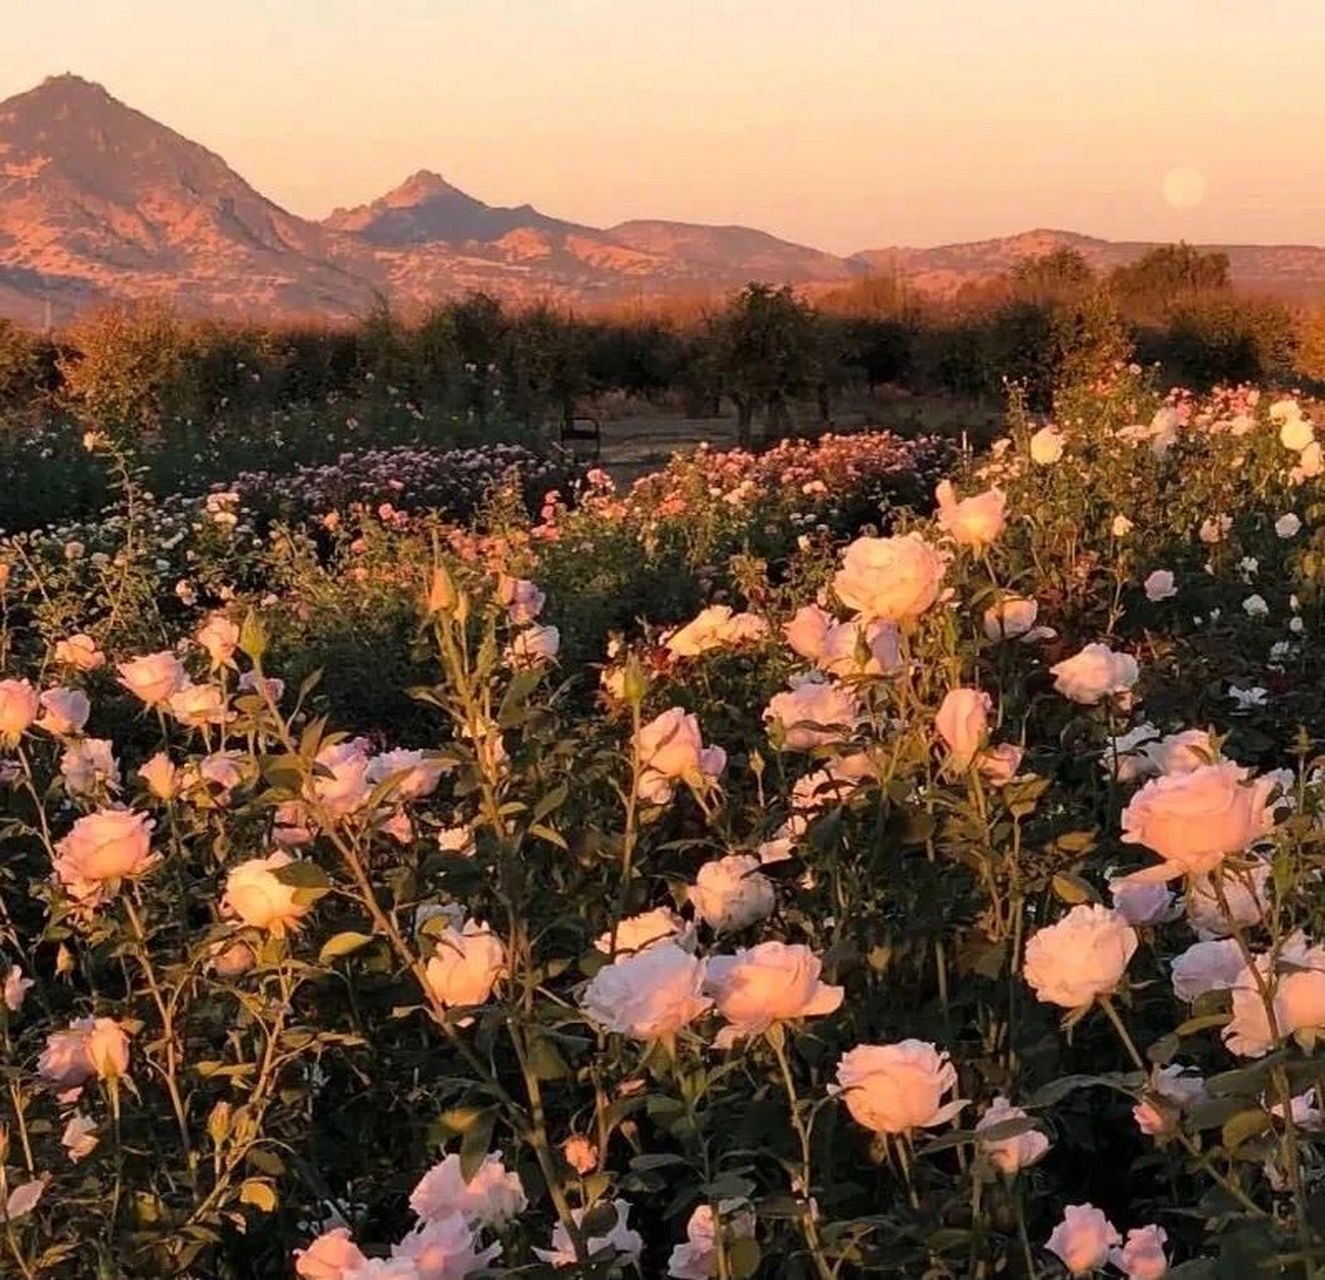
99, 202
425, 207
1291, 272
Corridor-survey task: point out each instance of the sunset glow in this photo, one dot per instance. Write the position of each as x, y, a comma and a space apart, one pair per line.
846, 125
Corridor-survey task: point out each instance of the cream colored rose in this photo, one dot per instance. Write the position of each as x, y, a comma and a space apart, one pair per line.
79, 1138
64, 711
80, 652
220, 637
893, 578
1296, 434
196, 705
153, 678
648, 995
1195, 820
161, 776
331, 1256
998, 765
1080, 958
466, 964
256, 897
491, 1197
1046, 446
769, 983
714, 628
635, 933
105, 845
1016, 1151
971, 522
697, 1258
962, 722
895, 1088
19, 706
731, 893
1011, 618
1082, 1239
1094, 673
812, 715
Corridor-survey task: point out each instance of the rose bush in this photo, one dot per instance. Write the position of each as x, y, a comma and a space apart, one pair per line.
993, 949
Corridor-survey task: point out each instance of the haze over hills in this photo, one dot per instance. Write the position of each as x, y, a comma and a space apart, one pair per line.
98, 202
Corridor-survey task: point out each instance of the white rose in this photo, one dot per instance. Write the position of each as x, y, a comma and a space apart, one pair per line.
88, 765
196, 705
1206, 966
492, 1197
730, 893
697, 1258
106, 845
1160, 586
1011, 618
256, 897
861, 649
648, 995
1288, 526
1143, 904
220, 637
1081, 957
413, 773
332, 1256
1243, 901
894, 578
808, 630
621, 1242
1094, 673
80, 652
340, 781
895, 1088
534, 646
523, 600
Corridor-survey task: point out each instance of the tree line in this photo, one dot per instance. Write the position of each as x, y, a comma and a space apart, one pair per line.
761, 351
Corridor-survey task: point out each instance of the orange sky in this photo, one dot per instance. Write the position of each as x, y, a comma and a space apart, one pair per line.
847, 124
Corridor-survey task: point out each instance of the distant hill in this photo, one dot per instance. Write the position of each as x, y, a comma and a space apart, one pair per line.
99, 202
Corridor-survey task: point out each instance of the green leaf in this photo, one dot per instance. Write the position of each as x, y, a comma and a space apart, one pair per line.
476, 1142
551, 802
743, 1258
343, 944
1243, 1127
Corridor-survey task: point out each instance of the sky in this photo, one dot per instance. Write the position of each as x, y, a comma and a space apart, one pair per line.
846, 124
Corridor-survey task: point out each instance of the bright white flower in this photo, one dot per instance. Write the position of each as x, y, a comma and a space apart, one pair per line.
1288, 526
1121, 526
1046, 446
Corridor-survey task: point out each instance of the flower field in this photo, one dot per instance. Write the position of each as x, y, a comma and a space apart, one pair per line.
859, 858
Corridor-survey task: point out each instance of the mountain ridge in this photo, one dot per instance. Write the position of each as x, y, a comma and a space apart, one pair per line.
99, 202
